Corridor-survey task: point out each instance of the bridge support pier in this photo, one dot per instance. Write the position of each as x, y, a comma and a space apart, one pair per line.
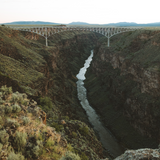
46, 42
108, 41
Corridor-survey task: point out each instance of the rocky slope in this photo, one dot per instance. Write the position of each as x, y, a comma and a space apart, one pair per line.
25, 135
123, 86
47, 75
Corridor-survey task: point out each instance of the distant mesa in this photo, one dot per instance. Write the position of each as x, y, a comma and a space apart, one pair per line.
79, 23
134, 24
120, 24
31, 23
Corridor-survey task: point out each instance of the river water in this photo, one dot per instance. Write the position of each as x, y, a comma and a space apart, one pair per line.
107, 140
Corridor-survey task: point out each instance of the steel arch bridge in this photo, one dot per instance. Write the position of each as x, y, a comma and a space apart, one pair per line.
49, 31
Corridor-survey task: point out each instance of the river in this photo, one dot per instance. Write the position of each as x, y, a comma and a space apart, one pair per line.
107, 140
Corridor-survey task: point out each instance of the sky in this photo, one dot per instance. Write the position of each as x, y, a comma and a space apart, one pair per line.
90, 11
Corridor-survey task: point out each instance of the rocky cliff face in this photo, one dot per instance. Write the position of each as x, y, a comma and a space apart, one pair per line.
148, 82
129, 78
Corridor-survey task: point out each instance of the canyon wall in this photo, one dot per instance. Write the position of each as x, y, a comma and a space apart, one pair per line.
123, 86
48, 75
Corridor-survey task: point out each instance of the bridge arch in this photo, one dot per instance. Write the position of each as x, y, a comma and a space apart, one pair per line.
49, 31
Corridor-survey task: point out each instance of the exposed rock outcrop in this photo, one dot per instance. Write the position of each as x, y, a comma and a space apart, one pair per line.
140, 154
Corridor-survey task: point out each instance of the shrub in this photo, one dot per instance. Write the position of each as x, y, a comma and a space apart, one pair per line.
1, 145
24, 102
28, 90
39, 143
49, 143
46, 103
39, 136
70, 156
24, 95
10, 90
4, 137
28, 154
36, 151
20, 140
16, 108
1, 101
70, 148
2, 109
25, 120
74, 134
8, 109
66, 118
9, 149
13, 156
12, 122
57, 126
55, 156
83, 130
6, 90
17, 97
1, 120
84, 157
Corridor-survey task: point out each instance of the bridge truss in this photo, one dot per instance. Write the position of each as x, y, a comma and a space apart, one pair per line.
49, 31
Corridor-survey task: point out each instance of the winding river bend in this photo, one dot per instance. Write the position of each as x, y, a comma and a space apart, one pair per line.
107, 140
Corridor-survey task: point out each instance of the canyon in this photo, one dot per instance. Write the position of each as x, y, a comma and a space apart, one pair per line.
122, 85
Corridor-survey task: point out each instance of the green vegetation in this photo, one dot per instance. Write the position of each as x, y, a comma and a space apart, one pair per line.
12, 122
14, 156
8, 109
26, 120
83, 156
82, 140
1, 120
4, 137
20, 140
74, 134
16, 108
70, 156
49, 143
57, 126
46, 103
1, 145
28, 143
5, 90
83, 130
